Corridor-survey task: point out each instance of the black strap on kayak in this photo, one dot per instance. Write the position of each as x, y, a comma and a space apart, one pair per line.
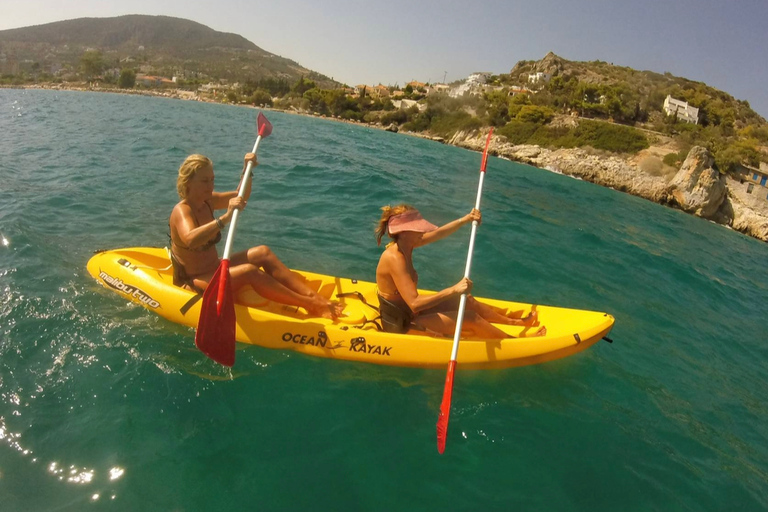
361, 298
191, 302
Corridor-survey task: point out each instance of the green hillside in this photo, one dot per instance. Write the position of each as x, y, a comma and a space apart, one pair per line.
161, 45
628, 95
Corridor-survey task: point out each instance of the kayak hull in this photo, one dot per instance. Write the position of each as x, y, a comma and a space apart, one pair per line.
144, 276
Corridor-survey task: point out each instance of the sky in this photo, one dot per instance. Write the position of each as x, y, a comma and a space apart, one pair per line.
723, 43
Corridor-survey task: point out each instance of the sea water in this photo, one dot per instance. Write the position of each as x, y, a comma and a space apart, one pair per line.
105, 406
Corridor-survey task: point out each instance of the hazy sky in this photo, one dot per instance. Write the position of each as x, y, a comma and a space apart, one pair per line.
723, 43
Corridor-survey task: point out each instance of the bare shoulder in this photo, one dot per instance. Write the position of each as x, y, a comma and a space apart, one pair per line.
392, 258
180, 211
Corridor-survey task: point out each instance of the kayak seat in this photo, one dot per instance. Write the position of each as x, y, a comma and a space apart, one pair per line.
353, 313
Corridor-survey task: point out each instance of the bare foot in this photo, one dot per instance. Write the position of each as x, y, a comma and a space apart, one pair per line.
532, 318
336, 309
326, 309
517, 318
541, 332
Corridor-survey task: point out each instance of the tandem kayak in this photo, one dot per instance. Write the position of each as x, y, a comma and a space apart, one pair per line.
144, 276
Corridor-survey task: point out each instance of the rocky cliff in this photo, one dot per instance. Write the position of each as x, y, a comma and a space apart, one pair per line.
697, 188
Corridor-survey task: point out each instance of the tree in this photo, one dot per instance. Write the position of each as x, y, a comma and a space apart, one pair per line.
260, 97
535, 114
127, 79
92, 63
303, 85
316, 100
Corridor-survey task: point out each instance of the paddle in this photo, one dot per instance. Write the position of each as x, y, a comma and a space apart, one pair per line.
445, 406
215, 335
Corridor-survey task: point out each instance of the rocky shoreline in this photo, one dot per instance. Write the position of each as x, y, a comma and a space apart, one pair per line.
696, 188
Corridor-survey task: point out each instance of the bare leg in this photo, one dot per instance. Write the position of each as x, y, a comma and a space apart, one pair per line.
269, 288
263, 257
491, 315
445, 325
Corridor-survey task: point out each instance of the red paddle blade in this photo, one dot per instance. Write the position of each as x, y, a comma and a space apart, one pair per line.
215, 335
445, 409
265, 127
485, 152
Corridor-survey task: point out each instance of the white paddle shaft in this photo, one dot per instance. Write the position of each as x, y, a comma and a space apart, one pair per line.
463, 300
240, 193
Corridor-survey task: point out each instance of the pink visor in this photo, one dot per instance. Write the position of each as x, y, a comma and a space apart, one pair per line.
409, 221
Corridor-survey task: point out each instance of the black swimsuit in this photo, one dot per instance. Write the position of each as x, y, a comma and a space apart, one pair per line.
396, 316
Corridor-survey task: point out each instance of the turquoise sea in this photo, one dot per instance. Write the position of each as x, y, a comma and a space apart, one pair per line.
105, 406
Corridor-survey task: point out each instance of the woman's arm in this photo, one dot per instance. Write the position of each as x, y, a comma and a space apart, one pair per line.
191, 236
450, 228
410, 294
220, 200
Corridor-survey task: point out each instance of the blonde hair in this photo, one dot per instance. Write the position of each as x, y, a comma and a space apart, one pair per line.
386, 213
187, 171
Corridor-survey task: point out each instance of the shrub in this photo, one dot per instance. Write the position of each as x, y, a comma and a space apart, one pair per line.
605, 136
449, 123
398, 116
535, 114
518, 132
610, 137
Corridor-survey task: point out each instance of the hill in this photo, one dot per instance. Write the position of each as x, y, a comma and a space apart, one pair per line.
563, 92
159, 45
627, 94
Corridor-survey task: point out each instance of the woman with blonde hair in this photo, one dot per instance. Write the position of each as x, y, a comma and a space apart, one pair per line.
402, 306
195, 231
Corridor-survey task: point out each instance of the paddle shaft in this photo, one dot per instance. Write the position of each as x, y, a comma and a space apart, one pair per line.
240, 193
467, 269
217, 325
445, 406
222, 291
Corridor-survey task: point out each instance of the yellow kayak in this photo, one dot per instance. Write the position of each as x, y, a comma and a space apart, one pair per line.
144, 276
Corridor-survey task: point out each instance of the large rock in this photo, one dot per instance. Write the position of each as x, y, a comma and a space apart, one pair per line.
697, 187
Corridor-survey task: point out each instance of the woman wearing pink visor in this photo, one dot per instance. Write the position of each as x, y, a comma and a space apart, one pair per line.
402, 307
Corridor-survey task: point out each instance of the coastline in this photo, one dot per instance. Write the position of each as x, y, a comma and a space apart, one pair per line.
734, 209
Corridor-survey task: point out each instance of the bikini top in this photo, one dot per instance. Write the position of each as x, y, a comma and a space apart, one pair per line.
210, 243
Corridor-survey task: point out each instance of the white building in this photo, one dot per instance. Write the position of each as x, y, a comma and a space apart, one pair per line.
478, 78
472, 85
535, 78
684, 111
406, 104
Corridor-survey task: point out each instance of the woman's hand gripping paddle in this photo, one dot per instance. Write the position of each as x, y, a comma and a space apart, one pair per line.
215, 335
445, 407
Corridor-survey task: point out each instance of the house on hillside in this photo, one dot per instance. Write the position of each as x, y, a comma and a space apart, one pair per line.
473, 85
759, 178
682, 109
539, 77
406, 104
416, 85
439, 88
379, 91
154, 81
514, 91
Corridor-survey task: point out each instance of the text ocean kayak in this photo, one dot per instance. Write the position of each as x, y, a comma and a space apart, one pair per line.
144, 276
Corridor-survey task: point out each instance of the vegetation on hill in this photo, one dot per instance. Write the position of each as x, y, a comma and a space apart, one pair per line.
86, 48
575, 104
